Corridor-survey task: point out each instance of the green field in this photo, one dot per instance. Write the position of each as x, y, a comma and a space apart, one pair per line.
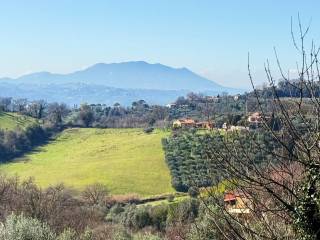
11, 121
125, 160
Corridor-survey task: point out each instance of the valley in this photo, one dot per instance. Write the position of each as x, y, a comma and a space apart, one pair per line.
124, 160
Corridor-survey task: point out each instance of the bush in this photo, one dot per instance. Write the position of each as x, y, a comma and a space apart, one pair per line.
182, 212
158, 216
18, 142
170, 198
68, 234
148, 130
23, 228
106, 231
114, 213
146, 236
123, 199
142, 218
193, 192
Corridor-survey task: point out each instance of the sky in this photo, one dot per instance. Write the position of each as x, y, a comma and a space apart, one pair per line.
210, 37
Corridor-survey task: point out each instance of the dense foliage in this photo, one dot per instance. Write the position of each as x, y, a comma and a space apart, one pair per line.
193, 157
186, 157
15, 143
289, 89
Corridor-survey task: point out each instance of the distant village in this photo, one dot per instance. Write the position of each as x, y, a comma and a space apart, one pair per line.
254, 119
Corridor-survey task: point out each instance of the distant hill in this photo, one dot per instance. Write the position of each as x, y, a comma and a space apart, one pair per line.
116, 82
76, 93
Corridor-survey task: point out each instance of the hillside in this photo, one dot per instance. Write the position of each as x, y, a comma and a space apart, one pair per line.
75, 93
11, 121
125, 160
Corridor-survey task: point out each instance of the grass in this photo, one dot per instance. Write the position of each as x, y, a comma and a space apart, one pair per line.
125, 160
11, 121
165, 201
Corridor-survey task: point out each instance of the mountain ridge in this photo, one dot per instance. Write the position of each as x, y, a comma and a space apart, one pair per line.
137, 79
134, 74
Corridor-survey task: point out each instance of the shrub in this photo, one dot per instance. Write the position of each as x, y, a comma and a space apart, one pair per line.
158, 216
114, 213
106, 231
142, 218
146, 236
123, 199
22, 228
170, 198
183, 212
148, 130
18, 142
193, 192
68, 234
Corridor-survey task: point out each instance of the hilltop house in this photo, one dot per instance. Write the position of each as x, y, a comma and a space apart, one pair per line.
190, 123
171, 105
255, 118
237, 202
204, 124
185, 122
238, 128
225, 126
236, 97
212, 98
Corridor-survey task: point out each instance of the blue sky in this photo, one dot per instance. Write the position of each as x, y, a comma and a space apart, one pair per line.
210, 37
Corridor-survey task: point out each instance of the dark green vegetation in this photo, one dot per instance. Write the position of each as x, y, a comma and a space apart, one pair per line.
194, 157
16, 143
186, 155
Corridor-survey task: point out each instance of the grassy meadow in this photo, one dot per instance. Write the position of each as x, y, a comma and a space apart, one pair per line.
11, 121
125, 160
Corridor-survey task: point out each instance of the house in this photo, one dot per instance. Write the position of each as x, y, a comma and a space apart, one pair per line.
171, 105
225, 126
236, 97
255, 118
212, 98
204, 125
186, 122
236, 202
238, 128
190, 123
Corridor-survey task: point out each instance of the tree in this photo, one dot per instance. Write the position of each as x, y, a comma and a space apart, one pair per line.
20, 104
95, 194
56, 113
37, 109
5, 103
282, 191
86, 115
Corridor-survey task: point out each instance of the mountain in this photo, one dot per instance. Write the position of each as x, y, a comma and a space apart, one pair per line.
115, 82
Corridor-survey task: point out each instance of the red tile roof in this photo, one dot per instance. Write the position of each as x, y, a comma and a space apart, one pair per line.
229, 197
